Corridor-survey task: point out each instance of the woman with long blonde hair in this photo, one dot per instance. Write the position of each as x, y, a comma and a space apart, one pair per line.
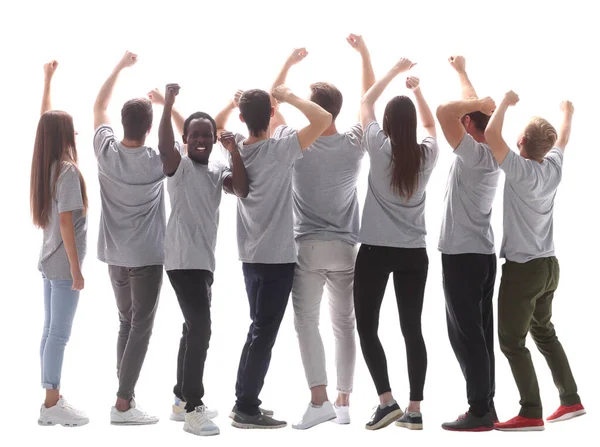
58, 206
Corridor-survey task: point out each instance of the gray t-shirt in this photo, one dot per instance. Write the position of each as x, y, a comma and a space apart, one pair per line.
388, 219
470, 192
53, 261
529, 191
195, 195
265, 220
133, 218
324, 186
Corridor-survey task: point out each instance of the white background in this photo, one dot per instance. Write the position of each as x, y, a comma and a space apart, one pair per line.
542, 50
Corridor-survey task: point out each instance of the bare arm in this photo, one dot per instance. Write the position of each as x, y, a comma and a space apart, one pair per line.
459, 64
493, 131
368, 74
367, 105
105, 93
223, 116
49, 70
158, 98
425, 115
237, 183
319, 118
297, 55
564, 132
449, 116
166, 140
67, 232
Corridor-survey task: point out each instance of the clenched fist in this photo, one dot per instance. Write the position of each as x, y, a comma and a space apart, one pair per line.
128, 59
412, 82
281, 93
171, 91
487, 106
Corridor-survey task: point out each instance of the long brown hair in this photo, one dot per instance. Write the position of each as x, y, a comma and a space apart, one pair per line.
400, 126
54, 145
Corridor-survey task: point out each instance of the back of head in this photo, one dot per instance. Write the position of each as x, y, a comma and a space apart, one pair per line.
328, 97
136, 117
255, 108
538, 138
479, 121
54, 144
400, 126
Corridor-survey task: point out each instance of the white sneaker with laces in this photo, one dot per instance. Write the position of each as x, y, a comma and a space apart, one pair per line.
198, 423
316, 415
178, 413
134, 416
343, 414
63, 414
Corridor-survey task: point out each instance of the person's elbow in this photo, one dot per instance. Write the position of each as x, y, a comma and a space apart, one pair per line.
325, 120
243, 192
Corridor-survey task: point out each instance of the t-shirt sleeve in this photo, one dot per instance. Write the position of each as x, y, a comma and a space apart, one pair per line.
225, 171
283, 131
474, 154
177, 177
374, 138
104, 137
431, 150
520, 172
355, 137
68, 190
287, 149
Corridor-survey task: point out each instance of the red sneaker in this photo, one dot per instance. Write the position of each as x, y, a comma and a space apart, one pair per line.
520, 423
563, 413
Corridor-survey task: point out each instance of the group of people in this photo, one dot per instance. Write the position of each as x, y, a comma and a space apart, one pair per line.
299, 232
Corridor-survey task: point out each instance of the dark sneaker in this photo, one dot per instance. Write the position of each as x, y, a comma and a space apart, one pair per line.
494, 415
384, 417
470, 422
262, 410
262, 421
413, 420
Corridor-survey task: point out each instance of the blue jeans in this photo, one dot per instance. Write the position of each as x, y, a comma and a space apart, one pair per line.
60, 305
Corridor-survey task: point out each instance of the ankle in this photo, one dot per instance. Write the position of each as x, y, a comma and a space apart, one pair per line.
386, 398
122, 404
414, 406
318, 395
343, 400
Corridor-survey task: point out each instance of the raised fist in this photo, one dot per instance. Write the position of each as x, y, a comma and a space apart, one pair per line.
487, 106
511, 98
357, 42
156, 97
171, 91
235, 101
227, 139
404, 65
128, 59
50, 68
281, 93
458, 63
297, 55
567, 107
412, 82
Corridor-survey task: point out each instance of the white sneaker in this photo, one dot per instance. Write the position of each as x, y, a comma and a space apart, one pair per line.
343, 414
134, 416
198, 423
178, 413
63, 414
316, 415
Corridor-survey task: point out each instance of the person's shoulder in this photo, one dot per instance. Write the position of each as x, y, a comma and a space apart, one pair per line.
283, 130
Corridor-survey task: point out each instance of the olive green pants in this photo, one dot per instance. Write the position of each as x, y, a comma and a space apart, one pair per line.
525, 306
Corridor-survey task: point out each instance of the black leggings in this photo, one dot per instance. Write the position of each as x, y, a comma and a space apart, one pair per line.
373, 267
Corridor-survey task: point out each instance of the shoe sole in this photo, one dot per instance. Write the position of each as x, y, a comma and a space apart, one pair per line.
409, 425
387, 420
314, 423
253, 426
341, 421
566, 417
521, 429
64, 424
476, 429
133, 423
177, 417
213, 432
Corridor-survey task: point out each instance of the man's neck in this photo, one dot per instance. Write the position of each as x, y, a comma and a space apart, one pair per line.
132, 144
331, 130
255, 139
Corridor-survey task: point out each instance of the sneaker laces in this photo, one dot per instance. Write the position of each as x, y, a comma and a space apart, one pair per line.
69, 408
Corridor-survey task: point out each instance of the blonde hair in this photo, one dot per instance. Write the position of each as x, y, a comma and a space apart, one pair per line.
539, 137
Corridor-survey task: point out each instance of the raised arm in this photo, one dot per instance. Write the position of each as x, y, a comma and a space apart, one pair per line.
166, 140
425, 115
49, 69
493, 131
157, 97
459, 64
564, 131
297, 55
236, 183
223, 116
105, 94
449, 116
368, 74
367, 105
319, 118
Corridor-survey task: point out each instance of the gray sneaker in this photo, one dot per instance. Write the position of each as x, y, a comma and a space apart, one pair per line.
269, 413
242, 420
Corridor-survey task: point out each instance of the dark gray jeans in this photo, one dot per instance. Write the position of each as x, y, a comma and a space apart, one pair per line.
137, 291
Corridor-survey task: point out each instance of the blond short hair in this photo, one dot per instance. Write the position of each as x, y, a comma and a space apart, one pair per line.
539, 137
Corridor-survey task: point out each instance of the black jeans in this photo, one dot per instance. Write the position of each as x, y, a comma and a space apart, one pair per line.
268, 287
469, 288
193, 290
374, 264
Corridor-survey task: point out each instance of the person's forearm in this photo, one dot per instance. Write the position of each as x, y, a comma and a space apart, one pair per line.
67, 232
223, 116
282, 75
105, 93
458, 109
425, 115
378, 87
368, 74
494, 127
313, 112
564, 132
178, 119
467, 89
240, 176
166, 139
46, 95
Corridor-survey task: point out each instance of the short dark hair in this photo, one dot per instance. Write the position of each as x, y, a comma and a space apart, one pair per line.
136, 117
480, 120
255, 107
196, 116
328, 97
